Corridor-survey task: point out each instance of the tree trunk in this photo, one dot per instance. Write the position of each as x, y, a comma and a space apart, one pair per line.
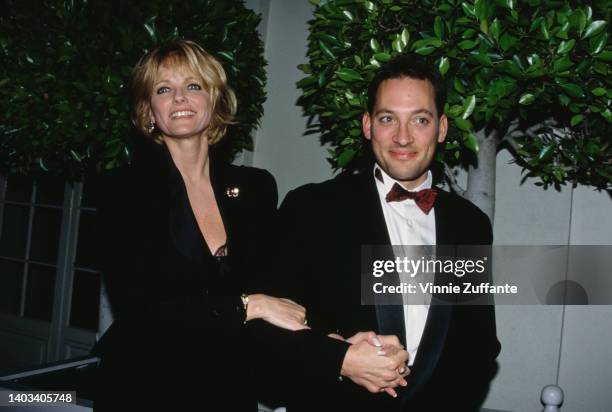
481, 177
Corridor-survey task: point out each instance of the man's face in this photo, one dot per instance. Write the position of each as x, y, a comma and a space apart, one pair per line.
405, 128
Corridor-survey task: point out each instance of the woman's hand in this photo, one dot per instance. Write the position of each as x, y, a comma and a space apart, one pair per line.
280, 312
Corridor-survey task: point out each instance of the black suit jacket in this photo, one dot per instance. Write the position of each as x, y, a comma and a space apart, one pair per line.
324, 226
177, 337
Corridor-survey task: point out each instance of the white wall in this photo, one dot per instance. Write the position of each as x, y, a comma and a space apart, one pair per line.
280, 146
541, 345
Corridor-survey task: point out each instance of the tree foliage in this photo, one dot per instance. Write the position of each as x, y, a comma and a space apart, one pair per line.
66, 66
537, 72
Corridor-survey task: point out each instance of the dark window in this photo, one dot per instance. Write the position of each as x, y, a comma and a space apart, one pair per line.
85, 300
46, 234
14, 231
11, 281
40, 290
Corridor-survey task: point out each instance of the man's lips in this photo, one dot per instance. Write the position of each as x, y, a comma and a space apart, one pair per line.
402, 154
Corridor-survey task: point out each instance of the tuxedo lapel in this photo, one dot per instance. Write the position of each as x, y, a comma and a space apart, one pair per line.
374, 230
439, 315
390, 317
444, 220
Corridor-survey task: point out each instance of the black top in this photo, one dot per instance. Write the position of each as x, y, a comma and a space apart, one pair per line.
178, 326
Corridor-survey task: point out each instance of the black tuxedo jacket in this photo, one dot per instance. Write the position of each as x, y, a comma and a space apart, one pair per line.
323, 227
177, 337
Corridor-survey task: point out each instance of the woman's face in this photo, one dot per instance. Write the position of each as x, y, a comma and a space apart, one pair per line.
180, 107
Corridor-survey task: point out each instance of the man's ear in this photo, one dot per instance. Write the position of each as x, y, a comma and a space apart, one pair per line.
442, 128
366, 123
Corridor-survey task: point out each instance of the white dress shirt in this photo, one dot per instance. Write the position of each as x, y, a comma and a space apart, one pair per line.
407, 224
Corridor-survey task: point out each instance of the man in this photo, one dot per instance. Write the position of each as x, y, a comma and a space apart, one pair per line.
452, 348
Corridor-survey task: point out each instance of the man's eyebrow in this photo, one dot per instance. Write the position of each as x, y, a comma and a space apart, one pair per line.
417, 111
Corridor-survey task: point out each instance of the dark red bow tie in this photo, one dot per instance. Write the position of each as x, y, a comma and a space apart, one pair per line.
424, 199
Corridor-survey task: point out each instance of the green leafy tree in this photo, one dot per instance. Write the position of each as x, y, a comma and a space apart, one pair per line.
64, 77
532, 77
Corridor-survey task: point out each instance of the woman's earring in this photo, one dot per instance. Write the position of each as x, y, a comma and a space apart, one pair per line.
151, 127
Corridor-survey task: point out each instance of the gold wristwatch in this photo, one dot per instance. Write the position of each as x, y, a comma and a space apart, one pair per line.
245, 304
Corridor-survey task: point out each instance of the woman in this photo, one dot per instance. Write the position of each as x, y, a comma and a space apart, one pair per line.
182, 244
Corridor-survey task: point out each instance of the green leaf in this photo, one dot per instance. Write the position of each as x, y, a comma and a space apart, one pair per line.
432, 41
348, 15
566, 46
599, 91
424, 51
382, 57
463, 124
495, 29
397, 45
562, 64
581, 21
471, 142
572, 89
544, 30
484, 26
594, 28
468, 9
444, 65
509, 4
75, 155
41, 163
467, 44
482, 9
546, 151
536, 23
576, 120
149, 26
405, 36
306, 81
439, 27
227, 56
564, 99
458, 85
526, 99
349, 75
470, 104
507, 41
326, 51
345, 157
468, 34
605, 56
374, 44
598, 43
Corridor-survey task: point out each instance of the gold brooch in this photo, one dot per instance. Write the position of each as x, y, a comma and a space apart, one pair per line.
232, 192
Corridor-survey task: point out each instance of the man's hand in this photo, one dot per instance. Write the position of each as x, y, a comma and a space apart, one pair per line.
388, 345
375, 367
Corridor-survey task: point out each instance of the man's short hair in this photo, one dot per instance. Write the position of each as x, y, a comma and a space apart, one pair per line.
414, 67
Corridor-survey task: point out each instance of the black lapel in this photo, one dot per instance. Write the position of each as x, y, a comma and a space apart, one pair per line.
228, 194
374, 225
182, 224
444, 219
390, 318
439, 315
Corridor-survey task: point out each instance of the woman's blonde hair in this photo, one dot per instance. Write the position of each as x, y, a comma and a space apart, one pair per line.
188, 54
